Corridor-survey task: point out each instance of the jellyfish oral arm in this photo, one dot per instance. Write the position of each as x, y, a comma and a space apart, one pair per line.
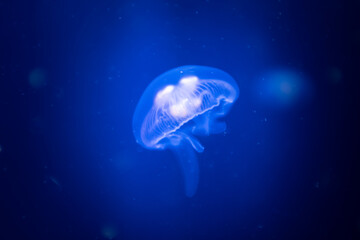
189, 166
207, 124
181, 136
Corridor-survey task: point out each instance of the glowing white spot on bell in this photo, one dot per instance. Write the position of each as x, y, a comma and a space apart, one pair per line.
197, 102
164, 93
189, 80
168, 89
189, 83
180, 109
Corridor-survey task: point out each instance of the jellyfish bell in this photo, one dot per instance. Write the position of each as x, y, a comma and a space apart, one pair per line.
178, 96
179, 104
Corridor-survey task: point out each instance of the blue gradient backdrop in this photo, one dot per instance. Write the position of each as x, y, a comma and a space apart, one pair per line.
71, 73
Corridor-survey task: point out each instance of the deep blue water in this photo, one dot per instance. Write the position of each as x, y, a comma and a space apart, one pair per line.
72, 73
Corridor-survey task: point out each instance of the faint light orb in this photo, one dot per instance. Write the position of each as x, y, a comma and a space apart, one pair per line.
109, 232
281, 88
286, 88
335, 75
37, 78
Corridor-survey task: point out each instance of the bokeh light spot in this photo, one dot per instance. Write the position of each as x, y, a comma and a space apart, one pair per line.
335, 75
109, 232
281, 88
37, 78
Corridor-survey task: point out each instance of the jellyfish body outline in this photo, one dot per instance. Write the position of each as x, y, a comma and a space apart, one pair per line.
180, 104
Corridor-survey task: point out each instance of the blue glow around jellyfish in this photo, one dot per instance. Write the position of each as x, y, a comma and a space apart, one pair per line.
180, 104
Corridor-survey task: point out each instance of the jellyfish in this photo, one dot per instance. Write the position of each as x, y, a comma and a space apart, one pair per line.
179, 105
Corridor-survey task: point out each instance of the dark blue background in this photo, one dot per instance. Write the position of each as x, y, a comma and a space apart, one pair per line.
71, 73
